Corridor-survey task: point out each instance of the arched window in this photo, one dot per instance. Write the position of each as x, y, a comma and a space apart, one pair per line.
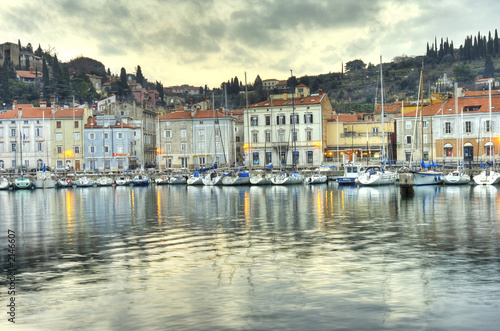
448, 150
39, 164
489, 148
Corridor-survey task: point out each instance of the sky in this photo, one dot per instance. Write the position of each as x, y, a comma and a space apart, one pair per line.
198, 42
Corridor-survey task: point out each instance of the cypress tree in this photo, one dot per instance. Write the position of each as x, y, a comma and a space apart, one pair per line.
489, 69
495, 43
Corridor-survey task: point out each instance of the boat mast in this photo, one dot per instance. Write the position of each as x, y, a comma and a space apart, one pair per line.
294, 140
248, 123
422, 114
490, 124
456, 119
382, 101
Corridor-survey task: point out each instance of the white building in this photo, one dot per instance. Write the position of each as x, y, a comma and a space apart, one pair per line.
287, 125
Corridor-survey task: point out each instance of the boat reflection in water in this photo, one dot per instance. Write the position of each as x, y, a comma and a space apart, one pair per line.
279, 252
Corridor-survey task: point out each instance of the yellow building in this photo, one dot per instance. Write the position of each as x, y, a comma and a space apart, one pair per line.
66, 138
357, 138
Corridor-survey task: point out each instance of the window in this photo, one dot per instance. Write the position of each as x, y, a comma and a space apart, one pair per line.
107, 164
58, 124
294, 119
92, 150
238, 139
201, 133
408, 125
77, 136
447, 127
268, 120
91, 136
201, 161
77, 149
12, 132
256, 158
448, 150
468, 126
254, 137
168, 147
295, 157
106, 135
489, 149
280, 120
269, 157
282, 158
106, 149
408, 139
14, 164
2, 164
183, 123
76, 124
281, 137
183, 133
183, 147
26, 147
38, 132
309, 135
13, 147
294, 135
254, 120
425, 139
184, 162
39, 146
489, 126
217, 132
309, 157
425, 125
59, 149
268, 136
374, 131
120, 149
58, 136
201, 122
167, 123
167, 133
26, 133
119, 135
308, 118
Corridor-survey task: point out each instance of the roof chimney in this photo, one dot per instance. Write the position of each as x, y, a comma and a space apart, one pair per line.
31, 70
320, 91
14, 105
191, 101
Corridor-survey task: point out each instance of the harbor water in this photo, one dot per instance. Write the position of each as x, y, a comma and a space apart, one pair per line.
252, 258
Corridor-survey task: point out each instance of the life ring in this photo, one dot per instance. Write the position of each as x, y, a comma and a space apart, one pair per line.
263, 176
68, 180
162, 177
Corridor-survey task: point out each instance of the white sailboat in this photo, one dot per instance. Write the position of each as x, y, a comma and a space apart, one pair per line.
287, 178
488, 177
213, 179
4, 183
316, 178
457, 177
44, 179
376, 176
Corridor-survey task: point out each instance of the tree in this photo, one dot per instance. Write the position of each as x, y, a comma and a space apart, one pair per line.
464, 74
123, 88
354, 65
139, 77
489, 69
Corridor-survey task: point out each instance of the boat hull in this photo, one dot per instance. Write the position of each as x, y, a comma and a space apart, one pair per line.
23, 184
427, 178
456, 178
316, 179
487, 178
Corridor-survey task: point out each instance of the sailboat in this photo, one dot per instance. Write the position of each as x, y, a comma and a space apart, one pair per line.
44, 179
4, 183
427, 175
22, 182
457, 177
288, 178
376, 175
488, 177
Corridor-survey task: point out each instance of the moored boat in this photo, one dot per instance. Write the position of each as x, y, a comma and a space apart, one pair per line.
351, 172
239, 177
23, 183
375, 176
4, 183
287, 179
176, 180
84, 181
104, 181
44, 179
162, 180
261, 179
316, 179
212, 179
487, 177
123, 180
195, 179
456, 178
140, 180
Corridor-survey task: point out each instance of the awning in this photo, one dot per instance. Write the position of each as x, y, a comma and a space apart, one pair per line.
448, 145
134, 158
468, 145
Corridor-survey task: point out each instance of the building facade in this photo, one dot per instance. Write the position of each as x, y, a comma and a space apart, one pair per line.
287, 130
109, 144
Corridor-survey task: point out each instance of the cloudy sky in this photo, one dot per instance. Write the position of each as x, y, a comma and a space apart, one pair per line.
200, 42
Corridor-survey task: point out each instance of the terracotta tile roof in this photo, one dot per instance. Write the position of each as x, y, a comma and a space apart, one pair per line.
390, 108
344, 118
310, 100
119, 124
29, 74
482, 93
184, 114
465, 104
47, 112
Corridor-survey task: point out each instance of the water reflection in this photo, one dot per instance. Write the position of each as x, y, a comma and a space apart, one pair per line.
275, 257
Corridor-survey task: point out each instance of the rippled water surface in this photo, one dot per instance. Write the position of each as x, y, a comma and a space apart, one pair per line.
253, 258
